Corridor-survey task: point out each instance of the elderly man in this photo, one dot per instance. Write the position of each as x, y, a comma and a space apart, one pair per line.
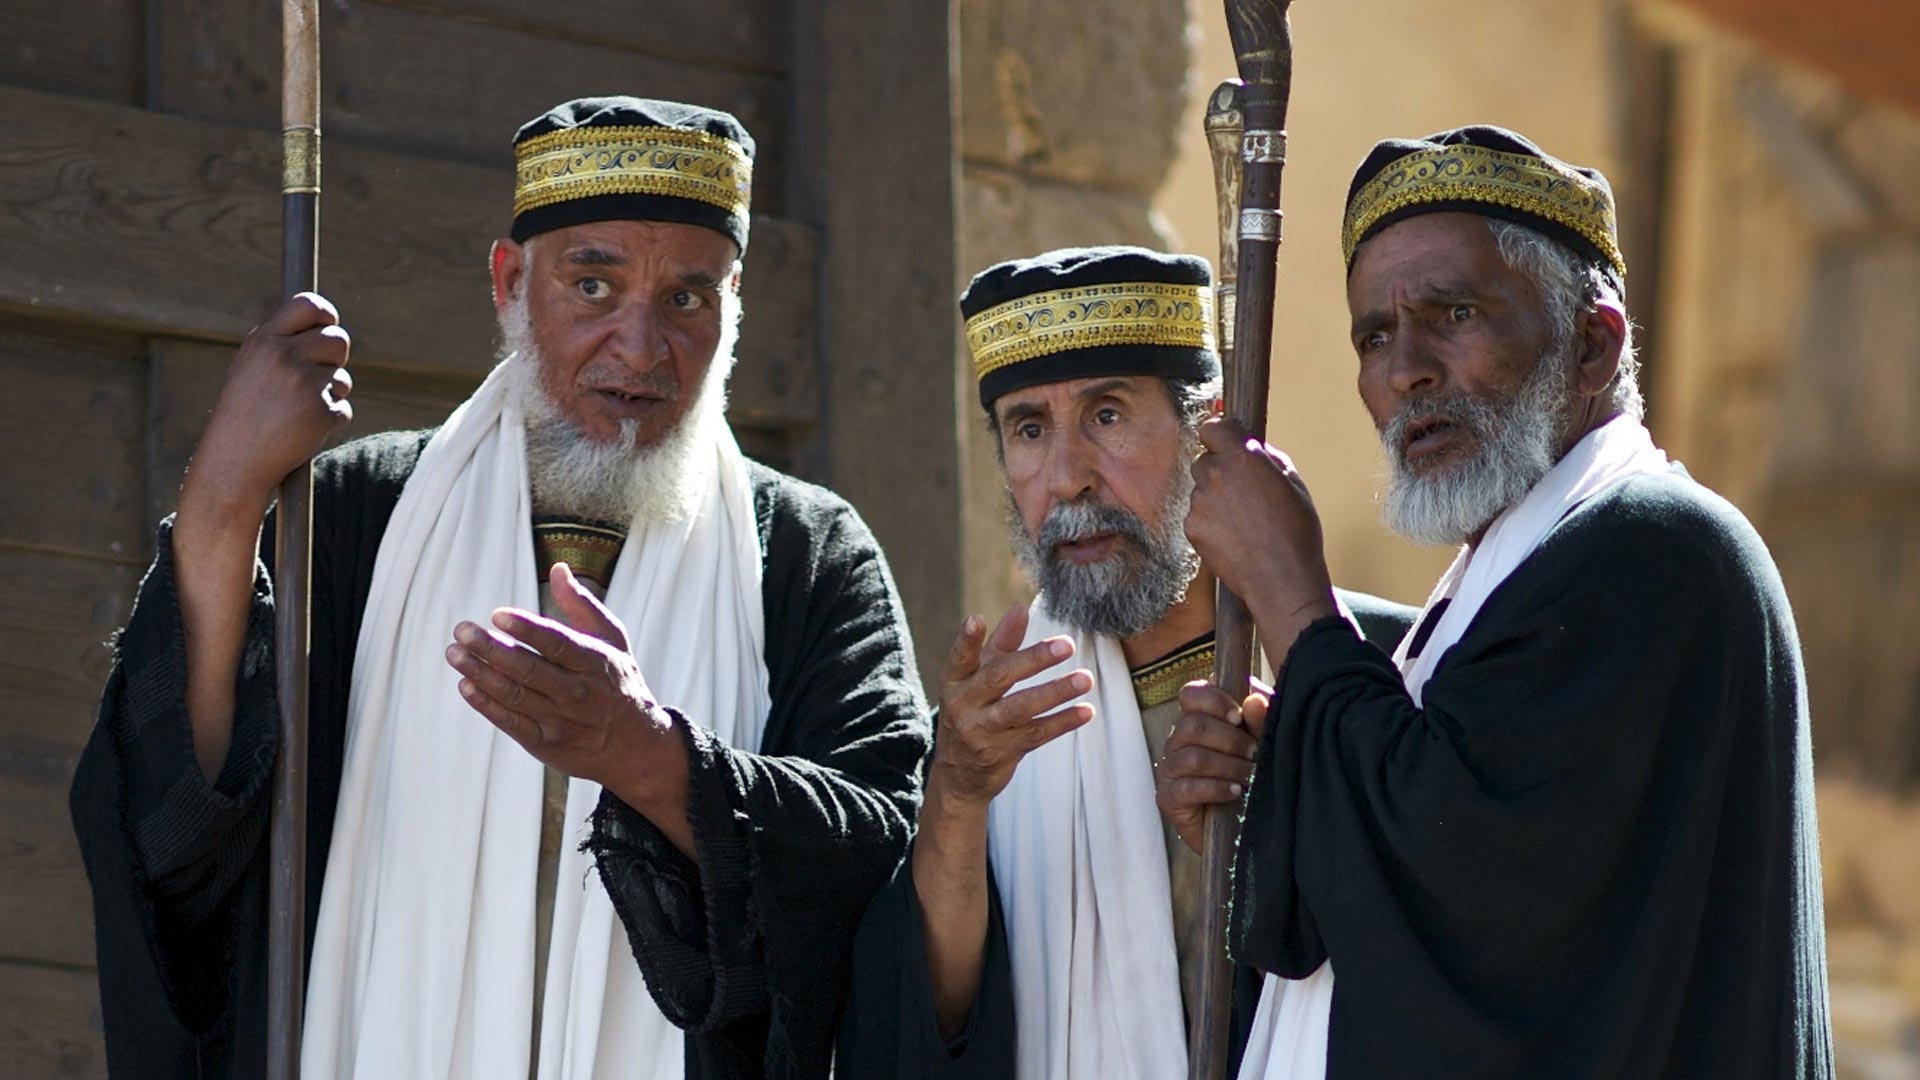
711, 692
1568, 830
1046, 924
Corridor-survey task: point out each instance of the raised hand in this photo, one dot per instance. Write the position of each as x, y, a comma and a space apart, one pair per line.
285, 395
1209, 756
984, 730
573, 696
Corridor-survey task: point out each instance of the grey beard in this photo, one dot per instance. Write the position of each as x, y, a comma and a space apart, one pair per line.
1126, 592
572, 474
1513, 443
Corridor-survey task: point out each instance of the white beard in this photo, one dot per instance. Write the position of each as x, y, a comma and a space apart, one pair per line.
572, 474
1514, 443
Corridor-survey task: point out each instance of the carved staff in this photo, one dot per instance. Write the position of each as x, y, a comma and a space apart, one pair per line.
293, 541
1263, 51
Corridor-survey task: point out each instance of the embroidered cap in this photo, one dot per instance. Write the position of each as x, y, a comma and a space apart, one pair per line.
632, 159
1487, 170
1081, 312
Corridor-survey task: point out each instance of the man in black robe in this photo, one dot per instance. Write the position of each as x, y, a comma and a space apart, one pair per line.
1046, 923
1569, 829
737, 866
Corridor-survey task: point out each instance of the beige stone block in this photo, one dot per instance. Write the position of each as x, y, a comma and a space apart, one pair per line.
1088, 93
1005, 216
1882, 146
1852, 399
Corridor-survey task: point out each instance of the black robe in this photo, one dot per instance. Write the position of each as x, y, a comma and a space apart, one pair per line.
1591, 853
890, 1028
746, 949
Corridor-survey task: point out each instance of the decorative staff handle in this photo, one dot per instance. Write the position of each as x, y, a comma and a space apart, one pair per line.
1263, 50
1224, 125
293, 543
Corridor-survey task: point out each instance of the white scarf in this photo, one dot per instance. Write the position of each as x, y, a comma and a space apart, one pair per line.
1290, 1025
423, 958
1081, 867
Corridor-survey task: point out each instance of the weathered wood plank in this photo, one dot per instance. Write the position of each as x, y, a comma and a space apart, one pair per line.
55, 617
56, 614
887, 210
46, 912
430, 83
70, 435
190, 212
738, 35
90, 48
50, 1024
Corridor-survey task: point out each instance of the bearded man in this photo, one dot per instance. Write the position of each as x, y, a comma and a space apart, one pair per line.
1568, 830
712, 691
1046, 924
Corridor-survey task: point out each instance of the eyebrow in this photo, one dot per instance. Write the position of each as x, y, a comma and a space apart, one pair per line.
593, 257
700, 279
1431, 294
1102, 389
1020, 410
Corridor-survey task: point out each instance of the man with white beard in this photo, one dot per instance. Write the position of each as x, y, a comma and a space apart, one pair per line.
1047, 923
1568, 830
592, 695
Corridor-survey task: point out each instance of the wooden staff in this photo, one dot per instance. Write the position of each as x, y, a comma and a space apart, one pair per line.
1263, 51
293, 542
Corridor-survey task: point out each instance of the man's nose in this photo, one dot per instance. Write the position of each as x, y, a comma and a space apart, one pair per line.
1071, 472
639, 338
1412, 366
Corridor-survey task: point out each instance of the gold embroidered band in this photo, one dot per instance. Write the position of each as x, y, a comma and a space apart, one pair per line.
1466, 173
577, 163
1160, 681
1126, 313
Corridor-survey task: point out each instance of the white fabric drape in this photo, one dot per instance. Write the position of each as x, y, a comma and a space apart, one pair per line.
1290, 1025
423, 960
1081, 867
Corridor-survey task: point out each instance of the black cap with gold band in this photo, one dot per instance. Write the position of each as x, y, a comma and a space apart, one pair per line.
1077, 313
632, 159
1482, 169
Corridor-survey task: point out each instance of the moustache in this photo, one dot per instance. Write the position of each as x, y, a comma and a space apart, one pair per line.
1069, 522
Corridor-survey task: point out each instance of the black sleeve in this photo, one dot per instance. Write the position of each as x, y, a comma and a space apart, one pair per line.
1383, 622
890, 1028
793, 840
1504, 871
165, 849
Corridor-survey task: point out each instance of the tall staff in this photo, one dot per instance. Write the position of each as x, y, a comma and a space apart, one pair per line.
1263, 51
293, 541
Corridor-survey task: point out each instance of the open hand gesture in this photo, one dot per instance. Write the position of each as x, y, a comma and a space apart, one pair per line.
984, 730
572, 696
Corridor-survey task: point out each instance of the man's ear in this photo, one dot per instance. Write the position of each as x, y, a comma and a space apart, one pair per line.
507, 260
1602, 336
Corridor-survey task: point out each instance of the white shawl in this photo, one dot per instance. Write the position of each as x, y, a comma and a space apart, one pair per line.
1081, 866
423, 959
1290, 1025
